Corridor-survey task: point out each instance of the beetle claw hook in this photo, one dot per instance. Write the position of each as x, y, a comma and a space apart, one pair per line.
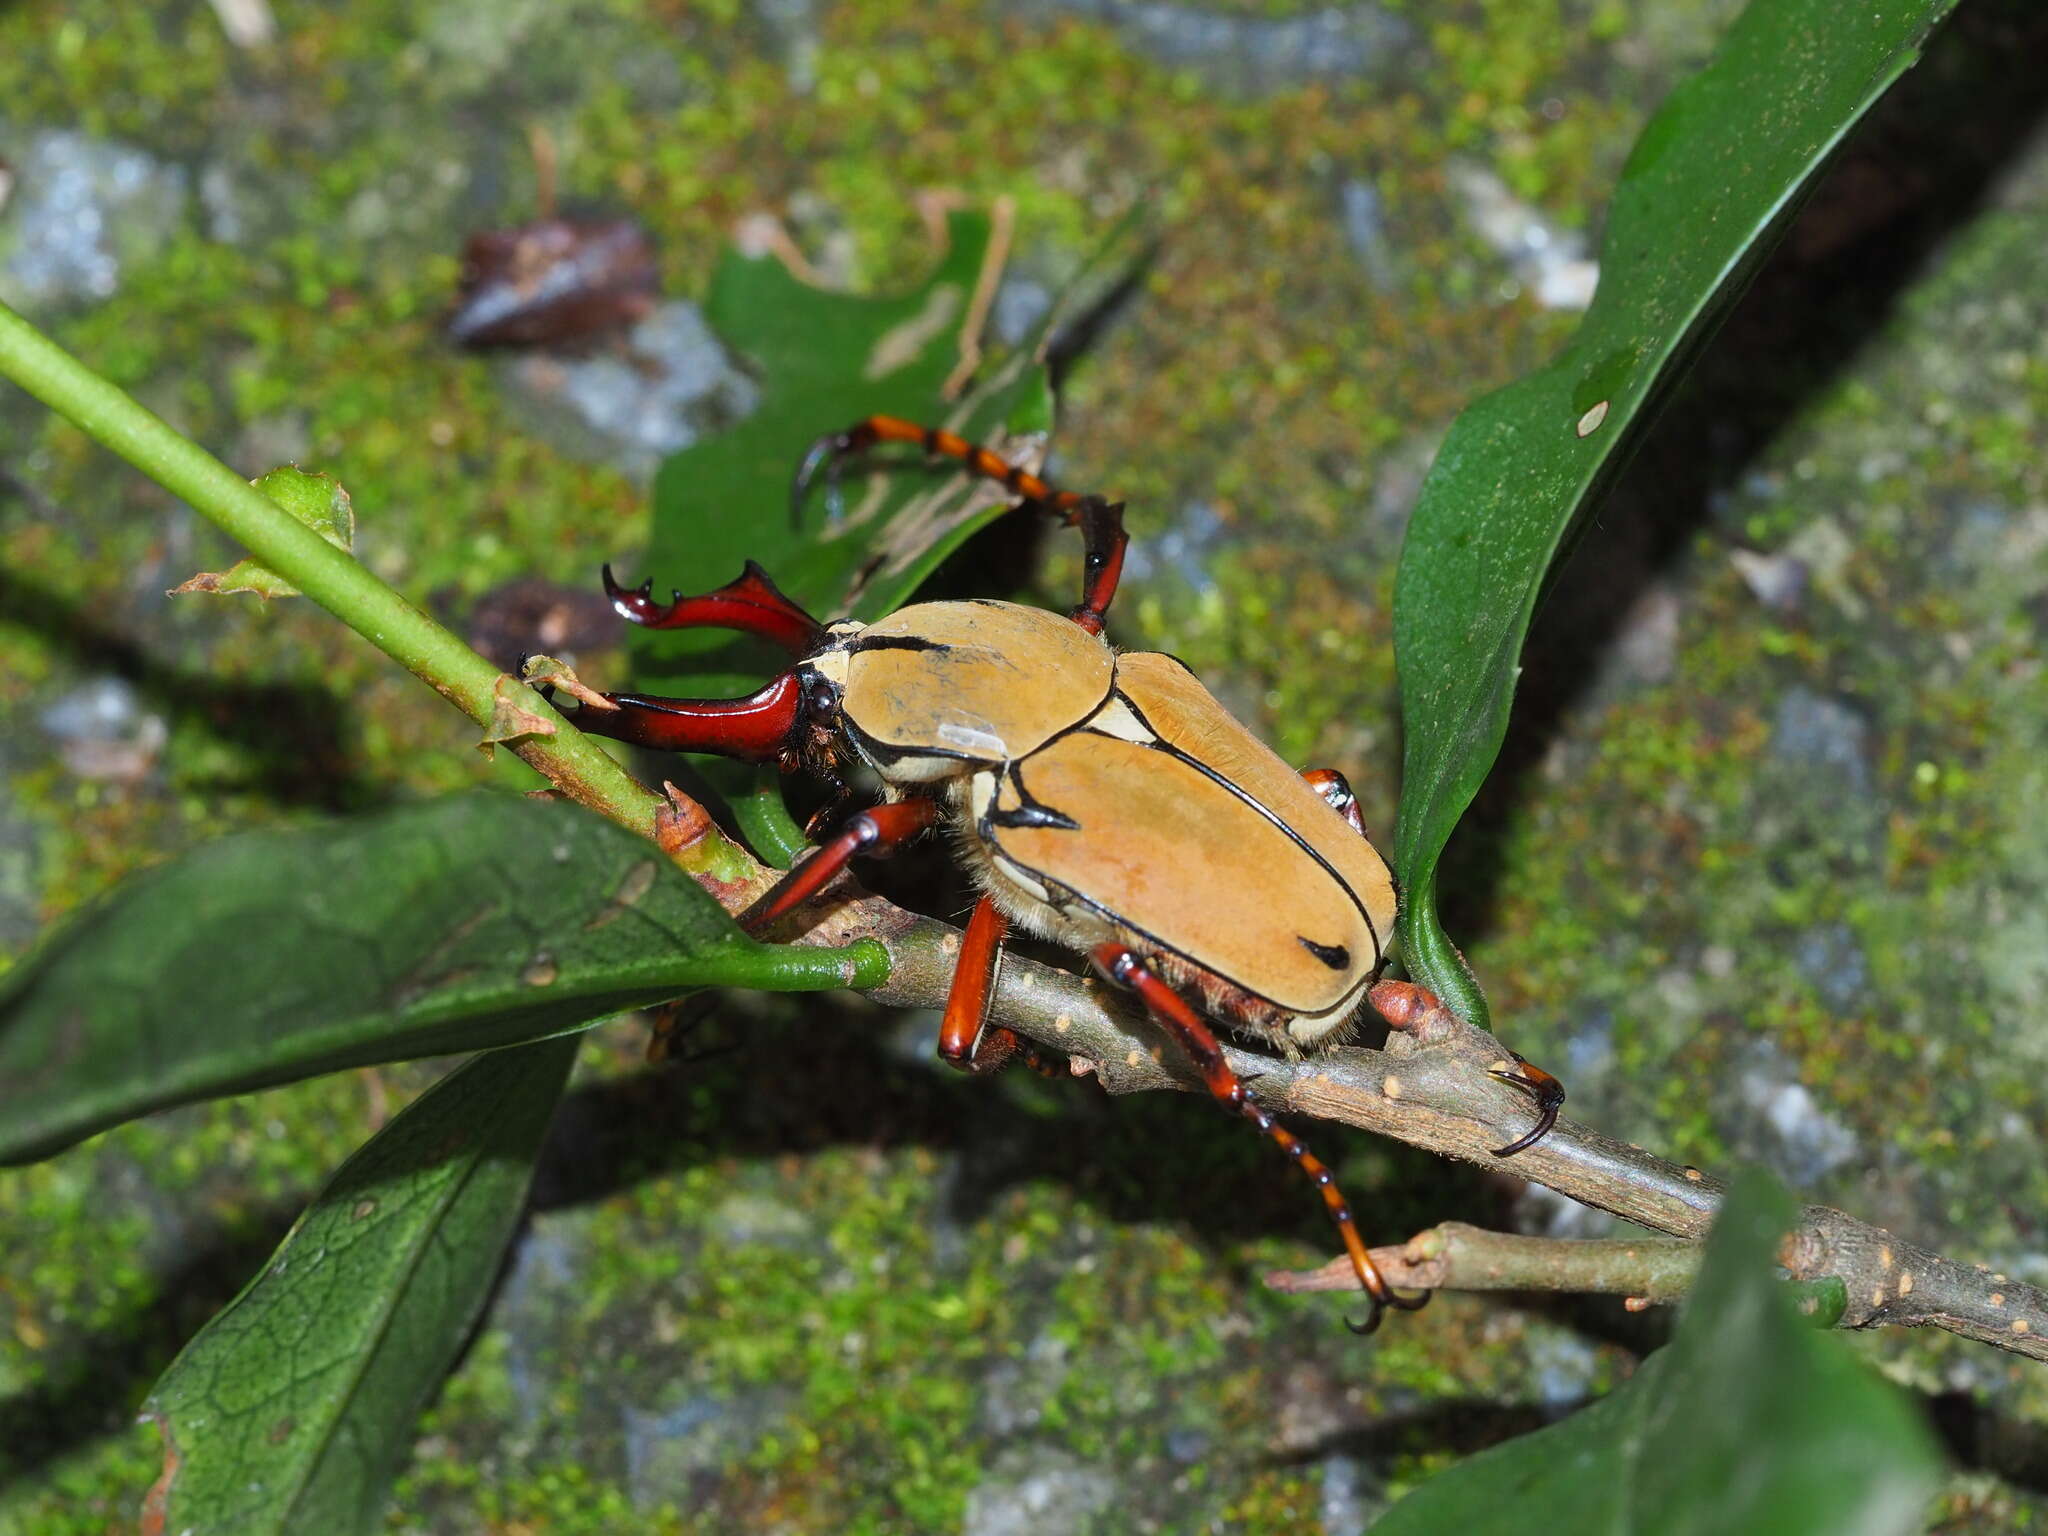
1546, 1090
1380, 1303
825, 453
629, 602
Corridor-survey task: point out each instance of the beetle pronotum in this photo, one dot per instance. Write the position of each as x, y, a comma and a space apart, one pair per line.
1106, 802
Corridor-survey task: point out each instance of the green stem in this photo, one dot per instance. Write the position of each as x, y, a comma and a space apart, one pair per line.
331, 577
862, 965
765, 822
1429, 956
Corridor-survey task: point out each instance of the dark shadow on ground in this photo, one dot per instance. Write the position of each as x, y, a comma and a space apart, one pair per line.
805, 1080
826, 1081
286, 735
93, 1384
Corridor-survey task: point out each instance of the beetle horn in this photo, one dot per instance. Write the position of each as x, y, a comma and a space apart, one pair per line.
760, 728
750, 603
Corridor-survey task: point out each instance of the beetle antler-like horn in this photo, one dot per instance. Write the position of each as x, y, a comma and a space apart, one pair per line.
760, 728
750, 603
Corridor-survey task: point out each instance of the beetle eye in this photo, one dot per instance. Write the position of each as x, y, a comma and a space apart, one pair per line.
821, 698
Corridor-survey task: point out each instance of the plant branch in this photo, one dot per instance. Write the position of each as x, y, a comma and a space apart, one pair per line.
1431, 1087
1458, 1257
574, 763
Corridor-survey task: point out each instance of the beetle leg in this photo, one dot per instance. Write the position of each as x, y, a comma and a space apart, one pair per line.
1102, 561
1100, 520
750, 603
1546, 1090
963, 1041
876, 830
1406, 1006
1337, 793
760, 728
1122, 965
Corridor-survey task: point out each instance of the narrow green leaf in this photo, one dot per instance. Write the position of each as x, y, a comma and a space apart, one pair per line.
1751, 1422
294, 1407
1714, 177
473, 921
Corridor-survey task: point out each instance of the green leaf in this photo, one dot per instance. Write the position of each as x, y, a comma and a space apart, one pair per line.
473, 921
318, 501
293, 1408
1715, 176
825, 360
1750, 1422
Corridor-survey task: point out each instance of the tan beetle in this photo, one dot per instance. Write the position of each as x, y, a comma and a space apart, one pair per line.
1106, 802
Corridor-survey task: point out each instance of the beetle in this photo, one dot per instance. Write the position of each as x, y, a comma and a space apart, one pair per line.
1102, 800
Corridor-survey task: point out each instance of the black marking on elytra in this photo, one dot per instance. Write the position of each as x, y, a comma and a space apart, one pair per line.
1335, 956
1033, 816
1029, 810
866, 643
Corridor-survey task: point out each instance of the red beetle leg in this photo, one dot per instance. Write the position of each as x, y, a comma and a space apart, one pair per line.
761, 728
963, 1041
876, 830
1172, 1013
1100, 520
1337, 793
750, 603
1546, 1090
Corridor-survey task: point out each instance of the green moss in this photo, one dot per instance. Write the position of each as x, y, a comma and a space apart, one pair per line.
856, 1255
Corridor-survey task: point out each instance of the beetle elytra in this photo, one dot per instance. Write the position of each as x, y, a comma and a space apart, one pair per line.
1103, 801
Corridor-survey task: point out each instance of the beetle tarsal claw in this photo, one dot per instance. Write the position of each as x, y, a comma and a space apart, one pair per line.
1393, 1298
1546, 1090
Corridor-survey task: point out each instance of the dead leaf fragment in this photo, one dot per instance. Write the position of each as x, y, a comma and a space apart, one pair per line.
547, 672
512, 717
